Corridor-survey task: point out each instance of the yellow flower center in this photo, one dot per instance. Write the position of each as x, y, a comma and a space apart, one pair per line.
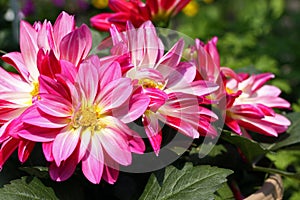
88, 118
149, 83
229, 91
35, 90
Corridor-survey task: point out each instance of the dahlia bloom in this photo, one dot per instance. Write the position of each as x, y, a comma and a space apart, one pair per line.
42, 46
81, 118
250, 105
167, 81
138, 12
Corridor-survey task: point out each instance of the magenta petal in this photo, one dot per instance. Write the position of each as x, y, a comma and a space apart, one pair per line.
233, 124
7, 148
153, 131
66, 168
110, 175
64, 145
47, 150
24, 150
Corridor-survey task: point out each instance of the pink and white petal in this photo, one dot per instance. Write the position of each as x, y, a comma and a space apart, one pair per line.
63, 25
35, 117
85, 140
42, 36
76, 45
157, 98
268, 90
171, 59
136, 144
108, 73
272, 102
64, 144
47, 150
133, 108
152, 45
24, 149
197, 88
258, 126
88, 80
153, 130
55, 106
261, 79
278, 119
66, 168
115, 144
29, 48
115, 94
184, 126
93, 162
16, 59
184, 74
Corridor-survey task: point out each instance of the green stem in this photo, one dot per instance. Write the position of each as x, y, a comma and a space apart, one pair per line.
277, 171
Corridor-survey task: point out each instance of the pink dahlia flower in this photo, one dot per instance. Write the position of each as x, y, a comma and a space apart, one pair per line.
138, 12
42, 46
250, 105
167, 81
83, 120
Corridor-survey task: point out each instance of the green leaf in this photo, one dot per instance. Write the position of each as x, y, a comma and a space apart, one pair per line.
250, 148
40, 172
26, 188
199, 182
224, 193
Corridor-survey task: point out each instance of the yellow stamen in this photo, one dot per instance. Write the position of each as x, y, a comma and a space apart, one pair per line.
148, 83
229, 91
35, 90
89, 117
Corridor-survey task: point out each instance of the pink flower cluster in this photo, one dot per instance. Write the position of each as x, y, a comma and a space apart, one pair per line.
79, 106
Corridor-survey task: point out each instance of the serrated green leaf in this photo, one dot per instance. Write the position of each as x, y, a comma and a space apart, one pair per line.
26, 188
199, 182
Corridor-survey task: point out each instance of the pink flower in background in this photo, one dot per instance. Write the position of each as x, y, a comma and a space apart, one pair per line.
167, 81
83, 120
138, 12
41, 46
250, 105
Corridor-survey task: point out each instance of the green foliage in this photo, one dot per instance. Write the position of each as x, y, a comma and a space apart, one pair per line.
198, 182
26, 188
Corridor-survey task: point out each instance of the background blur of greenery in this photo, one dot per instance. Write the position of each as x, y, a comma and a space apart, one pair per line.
254, 36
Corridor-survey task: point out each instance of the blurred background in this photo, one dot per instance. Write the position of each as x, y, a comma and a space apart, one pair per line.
254, 36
